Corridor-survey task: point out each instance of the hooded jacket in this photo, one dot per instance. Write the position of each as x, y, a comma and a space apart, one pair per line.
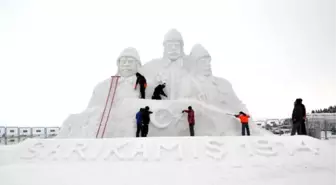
299, 111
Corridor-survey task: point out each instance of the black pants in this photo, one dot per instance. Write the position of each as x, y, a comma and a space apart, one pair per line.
138, 131
144, 130
296, 128
303, 130
156, 97
245, 126
191, 129
142, 91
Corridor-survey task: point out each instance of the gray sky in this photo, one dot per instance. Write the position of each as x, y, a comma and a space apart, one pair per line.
53, 53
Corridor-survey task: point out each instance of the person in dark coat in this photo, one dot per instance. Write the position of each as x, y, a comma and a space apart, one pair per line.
145, 121
158, 91
141, 80
139, 122
244, 119
297, 117
302, 130
191, 120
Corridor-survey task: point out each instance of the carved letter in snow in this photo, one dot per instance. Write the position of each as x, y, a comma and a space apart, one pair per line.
79, 149
170, 147
115, 151
264, 148
53, 152
34, 151
142, 150
214, 150
303, 147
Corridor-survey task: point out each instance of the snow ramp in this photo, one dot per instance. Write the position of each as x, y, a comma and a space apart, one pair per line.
230, 160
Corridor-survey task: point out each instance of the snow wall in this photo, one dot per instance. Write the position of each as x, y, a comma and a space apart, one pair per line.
205, 160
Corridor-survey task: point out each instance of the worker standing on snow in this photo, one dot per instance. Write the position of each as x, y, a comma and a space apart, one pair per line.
158, 91
141, 80
298, 116
139, 122
302, 130
191, 120
244, 121
145, 119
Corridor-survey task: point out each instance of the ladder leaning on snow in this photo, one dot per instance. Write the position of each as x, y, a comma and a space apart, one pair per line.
108, 106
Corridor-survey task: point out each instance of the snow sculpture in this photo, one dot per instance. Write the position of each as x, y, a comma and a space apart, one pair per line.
189, 81
203, 60
128, 62
173, 66
173, 45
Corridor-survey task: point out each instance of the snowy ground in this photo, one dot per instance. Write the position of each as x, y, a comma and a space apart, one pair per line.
170, 160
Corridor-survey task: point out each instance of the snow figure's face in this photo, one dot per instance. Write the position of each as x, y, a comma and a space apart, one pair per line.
204, 65
128, 66
173, 50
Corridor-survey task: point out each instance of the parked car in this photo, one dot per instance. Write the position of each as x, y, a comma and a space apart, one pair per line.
278, 131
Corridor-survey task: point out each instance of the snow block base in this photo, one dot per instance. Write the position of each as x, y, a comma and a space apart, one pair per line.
169, 160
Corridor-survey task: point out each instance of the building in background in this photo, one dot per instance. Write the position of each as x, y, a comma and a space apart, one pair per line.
14, 135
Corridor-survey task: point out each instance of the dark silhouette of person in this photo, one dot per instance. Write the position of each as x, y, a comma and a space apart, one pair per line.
158, 91
298, 115
146, 119
141, 80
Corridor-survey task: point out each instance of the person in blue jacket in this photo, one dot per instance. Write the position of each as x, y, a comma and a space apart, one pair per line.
139, 122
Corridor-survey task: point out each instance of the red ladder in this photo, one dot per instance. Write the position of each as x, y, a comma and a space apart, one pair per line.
108, 106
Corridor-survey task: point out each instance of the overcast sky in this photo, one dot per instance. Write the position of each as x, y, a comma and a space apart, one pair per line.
53, 53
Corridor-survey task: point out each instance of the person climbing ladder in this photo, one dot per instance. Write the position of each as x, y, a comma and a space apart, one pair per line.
141, 80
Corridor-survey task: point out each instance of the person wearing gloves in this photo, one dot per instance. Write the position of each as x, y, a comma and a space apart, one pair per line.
141, 80
244, 121
191, 120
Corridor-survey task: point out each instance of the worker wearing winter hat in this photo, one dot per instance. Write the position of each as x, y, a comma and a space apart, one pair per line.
128, 62
202, 60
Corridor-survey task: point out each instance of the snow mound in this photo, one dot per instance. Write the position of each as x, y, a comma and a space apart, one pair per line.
169, 160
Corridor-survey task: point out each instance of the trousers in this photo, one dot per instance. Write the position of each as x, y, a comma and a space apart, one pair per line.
144, 130
245, 126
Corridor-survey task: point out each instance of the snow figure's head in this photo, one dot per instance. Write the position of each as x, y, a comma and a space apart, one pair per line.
128, 62
173, 45
203, 60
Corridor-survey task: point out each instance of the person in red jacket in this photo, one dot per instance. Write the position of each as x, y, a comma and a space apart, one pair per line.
244, 121
191, 120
